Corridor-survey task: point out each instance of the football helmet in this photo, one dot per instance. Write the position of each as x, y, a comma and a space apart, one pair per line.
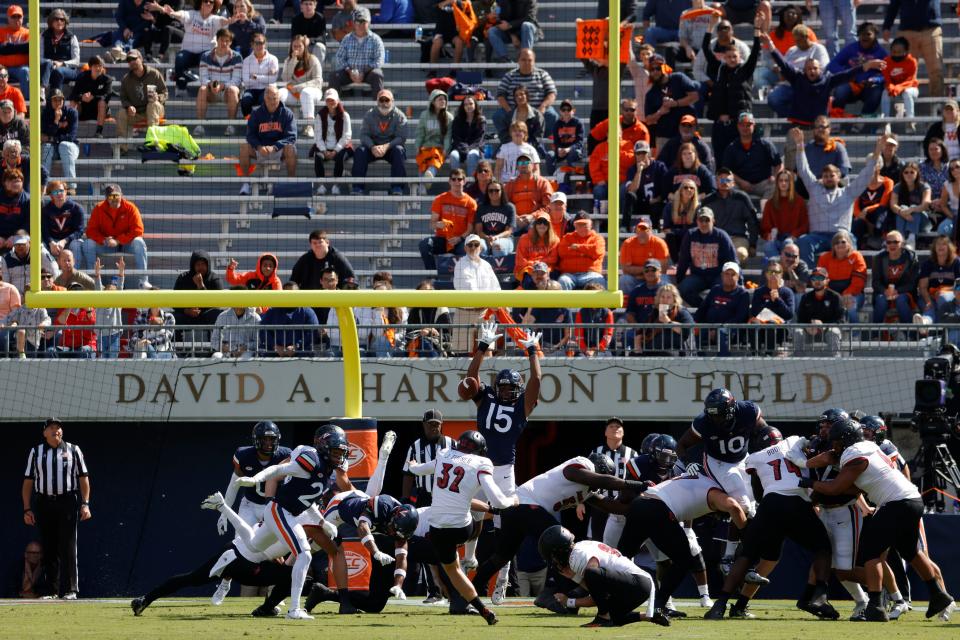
664, 452
472, 442
509, 385
602, 464
266, 437
828, 417
403, 522
719, 406
845, 432
763, 438
647, 445
331, 442
555, 545
874, 428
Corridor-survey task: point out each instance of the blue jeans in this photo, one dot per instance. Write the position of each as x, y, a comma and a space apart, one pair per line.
578, 280
396, 156
830, 12
185, 61
280, 5
67, 151
853, 315
692, 286
871, 96
500, 40
54, 77
780, 99
502, 119
502, 247
920, 223
772, 248
908, 97
21, 76
935, 311
902, 303
473, 157
654, 35
765, 76
250, 99
92, 251
108, 345
945, 228
435, 246
812, 244
380, 347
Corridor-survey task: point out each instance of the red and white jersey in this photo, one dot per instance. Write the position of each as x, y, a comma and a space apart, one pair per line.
686, 496
881, 480
456, 482
552, 491
777, 472
608, 557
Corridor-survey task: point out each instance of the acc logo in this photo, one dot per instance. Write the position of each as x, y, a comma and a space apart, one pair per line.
356, 563
355, 455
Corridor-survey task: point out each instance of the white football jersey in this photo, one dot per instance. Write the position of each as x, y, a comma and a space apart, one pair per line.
456, 482
423, 524
881, 480
777, 472
686, 496
552, 491
608, 557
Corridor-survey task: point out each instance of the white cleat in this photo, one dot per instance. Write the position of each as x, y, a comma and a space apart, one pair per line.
898, 609
858, 611
469, 564
499, 593
945, 614
221, 593
706, 602
389, 439
298, 614
669, 604
213, 502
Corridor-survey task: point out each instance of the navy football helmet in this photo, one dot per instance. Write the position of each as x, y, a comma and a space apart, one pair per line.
602, 464
719, 406
846, 433
828, 417
472, 442
763, 438
403, 522
647, 445
555, 545
266, 437
664, 452
874, 428
331, 442
509, 385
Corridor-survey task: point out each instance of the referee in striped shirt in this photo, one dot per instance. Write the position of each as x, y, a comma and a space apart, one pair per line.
621, 454
56, 476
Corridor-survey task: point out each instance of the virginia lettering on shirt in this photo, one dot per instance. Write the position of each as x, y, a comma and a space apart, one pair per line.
270, 126
705, 255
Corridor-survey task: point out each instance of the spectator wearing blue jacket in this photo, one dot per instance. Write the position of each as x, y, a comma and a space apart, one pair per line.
866, 86
727, 303
288, 343
777, 298
666, 19
58, 135
62, 221
702, 253
394, 12
271, 136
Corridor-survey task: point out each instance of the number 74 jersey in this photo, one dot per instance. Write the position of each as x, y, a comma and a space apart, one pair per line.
456, 482
776, 471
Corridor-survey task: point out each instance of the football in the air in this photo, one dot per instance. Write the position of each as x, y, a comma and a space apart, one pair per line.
468, 388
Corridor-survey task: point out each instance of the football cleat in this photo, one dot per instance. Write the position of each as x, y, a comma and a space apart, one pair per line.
660, 619
945, 614
221, 593
741, 614
389, 439
264, 611
490, 617
898, 609
469, 564
319, 593
138, 605
298, 614
858, 610
499, 595
597, 622
753, 577
212, 502
874, 613
939, 602
347, 608
726, 563
436, 599
823, 611
673, 613
717, 611
706, 602
468, 610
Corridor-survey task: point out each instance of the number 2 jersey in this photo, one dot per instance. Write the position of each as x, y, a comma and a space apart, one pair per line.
501, 424
728, 445
304, 488
881, 481
552, 491
775, 469
456, 482
246, 462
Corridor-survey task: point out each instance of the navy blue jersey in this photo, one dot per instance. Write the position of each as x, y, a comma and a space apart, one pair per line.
500, 424
354, 509
729, 445
297, 494
247, 463
644, 468
893, 453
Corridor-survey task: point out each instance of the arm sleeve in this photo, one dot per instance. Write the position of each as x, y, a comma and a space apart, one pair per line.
893, 8
230, 495
422, 469
807, 177
286, 469
494, 494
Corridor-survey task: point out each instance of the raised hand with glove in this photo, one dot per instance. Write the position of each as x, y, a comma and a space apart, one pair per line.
488, 336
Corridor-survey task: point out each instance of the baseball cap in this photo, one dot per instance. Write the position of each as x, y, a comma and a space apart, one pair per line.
641, 146
688, 119
727, 266
56, 93
819, 271
745, 116
133, 53
566, 103
645, 221
653, 262
45, 272
112, 188
892, 140
581, 218
559, 196
472, 238
331, 94
705, 212
432, 415
385, 93
6, 104
524, 156
541, 267
14, 10
21, 240
361, 14
615, 420
51, 420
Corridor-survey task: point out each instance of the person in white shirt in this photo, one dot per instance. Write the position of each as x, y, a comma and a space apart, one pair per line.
472, 272
220, 77
302, 81
333, 132
615, 585
199, 26
260, 70
895, 523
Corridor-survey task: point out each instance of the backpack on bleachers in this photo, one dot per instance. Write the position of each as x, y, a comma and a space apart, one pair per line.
170, 142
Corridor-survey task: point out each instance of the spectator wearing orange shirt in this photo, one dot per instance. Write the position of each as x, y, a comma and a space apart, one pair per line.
599, 164
637, 250
847, 271
14, 49
594, 341
529, 192
631, 128
900, 80
263, 277
784, 215
115, 226
11, 93
870, 210
538, 245
76, 342
451, 217
580, 255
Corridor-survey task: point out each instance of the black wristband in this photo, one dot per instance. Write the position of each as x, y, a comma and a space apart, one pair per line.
532, 350
482, 346
84, 504
26, 511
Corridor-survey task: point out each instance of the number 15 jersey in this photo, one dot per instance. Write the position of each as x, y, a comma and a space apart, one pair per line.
501, 424
456, 482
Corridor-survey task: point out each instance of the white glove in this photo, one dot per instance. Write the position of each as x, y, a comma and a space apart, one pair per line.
329, 529
488, 333
397, 592
532, 340
383, 558
245, 481
223, 524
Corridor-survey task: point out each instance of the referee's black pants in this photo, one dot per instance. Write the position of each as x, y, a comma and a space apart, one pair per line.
57, 518
615, 593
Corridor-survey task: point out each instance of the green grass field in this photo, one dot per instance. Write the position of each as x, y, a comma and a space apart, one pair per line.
196, 619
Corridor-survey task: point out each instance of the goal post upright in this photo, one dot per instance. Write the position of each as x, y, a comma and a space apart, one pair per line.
613, 147
35, 188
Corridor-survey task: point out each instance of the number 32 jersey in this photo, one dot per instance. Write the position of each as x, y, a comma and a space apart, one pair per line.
501, 424
728, 445
775, 470
302, 489
456, 482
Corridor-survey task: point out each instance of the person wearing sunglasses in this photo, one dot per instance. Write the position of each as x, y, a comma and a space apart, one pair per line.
637, 251
451, 214
382, 137
260, 69
115, 226
820, 306
796, 272
15, 58
773, 303
15, 202
495, 219
580, 255
199, 24
847, 270
61, 52
360, 57
143, 92
894, 278
910, 203
62, 220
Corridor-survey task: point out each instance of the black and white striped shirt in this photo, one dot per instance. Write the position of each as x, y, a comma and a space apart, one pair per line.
421, 451
55, 471
620, 456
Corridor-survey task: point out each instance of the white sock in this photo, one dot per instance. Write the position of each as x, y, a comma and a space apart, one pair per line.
470, 549
896, 597
730, 548
375, 483
855, 591
504, 574
704, 589
300, 568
